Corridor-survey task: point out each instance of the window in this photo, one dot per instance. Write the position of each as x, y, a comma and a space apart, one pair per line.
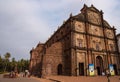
97, 46
68, 38
79, 41
56, 37
96, 32
79, 26
111, 47
93, 41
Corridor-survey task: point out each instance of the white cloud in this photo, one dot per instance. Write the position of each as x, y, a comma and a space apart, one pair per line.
24, 23
21, 27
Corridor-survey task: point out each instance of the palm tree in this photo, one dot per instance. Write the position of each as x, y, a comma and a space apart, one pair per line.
7, 56
13, 63
22, 64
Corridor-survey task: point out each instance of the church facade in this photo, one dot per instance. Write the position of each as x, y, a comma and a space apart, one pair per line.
82, 41
118, 40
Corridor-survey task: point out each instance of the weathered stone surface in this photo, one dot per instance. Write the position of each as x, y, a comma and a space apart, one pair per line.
82, 40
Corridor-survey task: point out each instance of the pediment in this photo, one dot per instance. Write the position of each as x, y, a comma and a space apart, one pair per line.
93, 9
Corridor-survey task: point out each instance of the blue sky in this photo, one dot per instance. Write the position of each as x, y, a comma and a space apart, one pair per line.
25, 23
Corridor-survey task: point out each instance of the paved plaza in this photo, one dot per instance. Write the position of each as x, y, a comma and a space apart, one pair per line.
62, 79
84, 78
23, 79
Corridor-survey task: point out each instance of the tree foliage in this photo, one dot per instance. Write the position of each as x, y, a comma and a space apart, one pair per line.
6, 61
7, 56
7, 65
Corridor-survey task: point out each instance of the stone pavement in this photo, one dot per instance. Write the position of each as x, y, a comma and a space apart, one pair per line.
42, 79
62, 79
84, 78
23, 79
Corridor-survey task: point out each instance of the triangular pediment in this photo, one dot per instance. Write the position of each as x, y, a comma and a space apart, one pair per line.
93, 8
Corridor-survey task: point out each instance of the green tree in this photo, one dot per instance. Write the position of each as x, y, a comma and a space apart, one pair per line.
7, 56
13, 64
22, 65
26, 65
1, 64
7, 65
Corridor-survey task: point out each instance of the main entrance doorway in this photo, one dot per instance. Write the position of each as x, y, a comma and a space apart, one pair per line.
81, 68
99, 65
115, 68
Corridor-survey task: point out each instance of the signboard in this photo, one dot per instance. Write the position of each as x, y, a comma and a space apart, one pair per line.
112, 72
91, 70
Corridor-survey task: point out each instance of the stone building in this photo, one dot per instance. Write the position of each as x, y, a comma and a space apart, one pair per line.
82, 40
35, 59
118, 39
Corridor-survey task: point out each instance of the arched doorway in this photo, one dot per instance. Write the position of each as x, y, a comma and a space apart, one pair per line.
99, 65
59, 69
115, 68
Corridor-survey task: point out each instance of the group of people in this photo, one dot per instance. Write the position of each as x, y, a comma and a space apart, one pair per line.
13, 74
26, 73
